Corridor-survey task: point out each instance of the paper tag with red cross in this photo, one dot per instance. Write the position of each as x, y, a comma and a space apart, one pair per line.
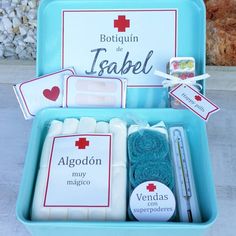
125, 43
152, 201
194, 101
79, 171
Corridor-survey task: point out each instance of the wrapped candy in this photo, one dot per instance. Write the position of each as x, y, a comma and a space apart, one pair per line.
183, 68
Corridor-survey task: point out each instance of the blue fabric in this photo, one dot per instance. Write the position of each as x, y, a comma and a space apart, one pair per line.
148, 152
152, 171
147, 145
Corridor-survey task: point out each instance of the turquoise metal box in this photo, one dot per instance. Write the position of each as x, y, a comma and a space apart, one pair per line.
146, 102
196, 132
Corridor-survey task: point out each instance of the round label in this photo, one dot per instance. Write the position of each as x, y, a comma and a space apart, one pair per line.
152, 201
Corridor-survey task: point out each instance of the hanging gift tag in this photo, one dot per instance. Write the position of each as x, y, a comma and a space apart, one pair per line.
79, 171
194, 101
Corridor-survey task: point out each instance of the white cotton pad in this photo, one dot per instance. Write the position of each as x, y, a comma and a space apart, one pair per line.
117, 210
89, 100
38, 211
54, 130
57, 213
96, 213
86, 125
96, 85
102, 127
119, 137
70, 126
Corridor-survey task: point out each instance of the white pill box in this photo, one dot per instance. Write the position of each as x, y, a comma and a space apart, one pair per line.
128, 40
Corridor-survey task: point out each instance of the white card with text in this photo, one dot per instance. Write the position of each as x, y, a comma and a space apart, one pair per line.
128, 44
79, 172
87, 91
42, 92
194, 101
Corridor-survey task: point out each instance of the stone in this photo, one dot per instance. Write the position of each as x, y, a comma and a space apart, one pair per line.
2, 37
15, 1
25, 20
33, 23
18, 21
1, 50
21, 43
32, 4
23, 30
221, 32
19, 49
1, 27
9, 52
12, 14
7, 24
31, 14
19, 12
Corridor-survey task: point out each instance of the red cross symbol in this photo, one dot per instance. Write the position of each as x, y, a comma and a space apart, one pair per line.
121, 23
82, 143
151, 187
198, 98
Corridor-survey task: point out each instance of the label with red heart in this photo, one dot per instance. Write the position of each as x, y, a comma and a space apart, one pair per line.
194, 101
42, 92
52, 94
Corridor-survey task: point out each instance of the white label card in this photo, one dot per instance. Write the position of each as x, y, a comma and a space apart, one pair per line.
152, 201
41, 92
79, 171
87, 91
120, 43
194, 101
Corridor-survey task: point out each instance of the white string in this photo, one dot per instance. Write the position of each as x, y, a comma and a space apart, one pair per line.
171, 80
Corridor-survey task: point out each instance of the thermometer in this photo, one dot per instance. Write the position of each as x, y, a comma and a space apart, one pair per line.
186, 194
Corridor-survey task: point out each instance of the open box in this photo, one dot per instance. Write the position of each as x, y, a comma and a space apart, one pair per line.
145, 102
196, 132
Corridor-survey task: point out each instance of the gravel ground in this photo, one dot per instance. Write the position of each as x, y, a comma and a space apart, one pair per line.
18, 29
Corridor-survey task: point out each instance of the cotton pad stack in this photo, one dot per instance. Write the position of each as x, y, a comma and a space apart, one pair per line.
117, 208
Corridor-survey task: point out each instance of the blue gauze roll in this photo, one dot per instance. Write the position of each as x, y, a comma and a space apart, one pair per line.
148, 151
147, 145
152, 171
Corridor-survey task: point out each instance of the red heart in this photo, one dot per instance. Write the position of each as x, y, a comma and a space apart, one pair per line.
198, 98
51, 94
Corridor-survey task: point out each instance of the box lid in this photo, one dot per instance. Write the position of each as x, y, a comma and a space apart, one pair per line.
127, 39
